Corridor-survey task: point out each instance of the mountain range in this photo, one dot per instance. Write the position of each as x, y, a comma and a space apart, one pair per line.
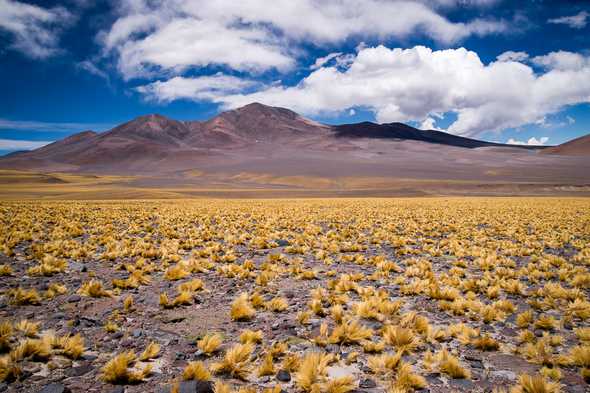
258, 140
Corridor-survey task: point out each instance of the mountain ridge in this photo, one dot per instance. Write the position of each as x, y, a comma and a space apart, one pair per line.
258, 137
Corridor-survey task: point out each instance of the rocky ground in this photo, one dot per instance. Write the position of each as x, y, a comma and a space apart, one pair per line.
346, 249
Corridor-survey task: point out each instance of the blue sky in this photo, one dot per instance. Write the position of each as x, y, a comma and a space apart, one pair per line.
489, 69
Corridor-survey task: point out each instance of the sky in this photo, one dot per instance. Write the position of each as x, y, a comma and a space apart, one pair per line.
498, 70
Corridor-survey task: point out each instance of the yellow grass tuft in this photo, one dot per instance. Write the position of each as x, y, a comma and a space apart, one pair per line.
535, 384
277, 304
236, 361
93, 288
401, 338
196, 371
210, 343
450, 365
343, 384
241, 310
117, 370
251, 337
151, 351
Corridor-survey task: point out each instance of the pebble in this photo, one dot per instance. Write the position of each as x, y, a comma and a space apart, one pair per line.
55, 388
283, 376
505, 374
367, 383
137, 333
74, 298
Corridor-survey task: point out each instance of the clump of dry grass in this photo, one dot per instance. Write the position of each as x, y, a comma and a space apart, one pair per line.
350, 332
22, 297
313, 367
93, 288
196, 371
210, 343
236, 361
241, 309
535, 384
118, 371
251, 337
340, 385
151, 351
277, 304
486, 343
450, 365
401, 338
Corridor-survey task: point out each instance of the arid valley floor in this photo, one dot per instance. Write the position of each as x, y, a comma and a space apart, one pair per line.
298, 295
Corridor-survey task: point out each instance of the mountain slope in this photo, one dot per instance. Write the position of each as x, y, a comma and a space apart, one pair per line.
576, 147
262, 139
403, 131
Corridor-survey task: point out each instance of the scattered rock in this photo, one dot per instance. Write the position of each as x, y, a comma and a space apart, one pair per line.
367, 383
283, 376
74, 298
55, 387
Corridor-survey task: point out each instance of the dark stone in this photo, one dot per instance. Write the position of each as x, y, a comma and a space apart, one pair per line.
118, 334
74, 298
118, 389
283, 376
55, 388
90, 357
282, 243
195, 387
367, 383
462, 384
477, 364
137, 333
78, 371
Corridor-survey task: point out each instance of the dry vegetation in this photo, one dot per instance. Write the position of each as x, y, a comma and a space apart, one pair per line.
322, 296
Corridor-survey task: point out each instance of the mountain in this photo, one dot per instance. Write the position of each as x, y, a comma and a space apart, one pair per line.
273, 144
405, 132
576, 147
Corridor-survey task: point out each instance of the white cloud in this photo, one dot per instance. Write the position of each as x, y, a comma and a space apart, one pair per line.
562, 60
351, 112
578, 21
321, 61
570, 120
34, 30
531, 142
13, 145
414, 84
429, 124
200, 88
513, 56
258, 35
91, 68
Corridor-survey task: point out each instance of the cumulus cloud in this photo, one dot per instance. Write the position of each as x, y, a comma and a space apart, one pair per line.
416, 83
201, 88
34, 30
562, 60
578, 21
13, 145
430, 124
258, 35
531, 142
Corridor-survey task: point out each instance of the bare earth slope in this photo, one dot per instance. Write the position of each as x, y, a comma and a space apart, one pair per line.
258, 146
575, 147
